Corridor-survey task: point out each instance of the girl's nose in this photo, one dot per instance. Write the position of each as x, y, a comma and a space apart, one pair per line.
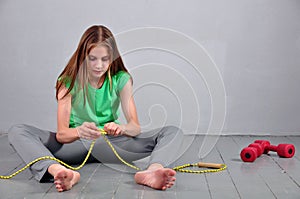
99, 64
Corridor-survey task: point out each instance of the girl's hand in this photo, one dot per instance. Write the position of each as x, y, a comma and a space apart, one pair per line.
113, 129
88, 130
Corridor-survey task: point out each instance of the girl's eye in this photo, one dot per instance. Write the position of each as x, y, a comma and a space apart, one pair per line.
91, 58
105, 59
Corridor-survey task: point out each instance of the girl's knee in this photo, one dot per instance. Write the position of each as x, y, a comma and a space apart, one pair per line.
173, 129
15, 131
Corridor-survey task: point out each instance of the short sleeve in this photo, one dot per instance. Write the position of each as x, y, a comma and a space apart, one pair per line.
66, 81
122, 78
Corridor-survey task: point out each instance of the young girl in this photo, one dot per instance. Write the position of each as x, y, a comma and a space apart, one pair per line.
89, 91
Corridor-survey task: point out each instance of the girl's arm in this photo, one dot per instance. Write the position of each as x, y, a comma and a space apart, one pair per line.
132, 128
64, 133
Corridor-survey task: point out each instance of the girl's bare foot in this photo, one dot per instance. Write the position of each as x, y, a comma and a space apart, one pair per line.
64, 179
159, 178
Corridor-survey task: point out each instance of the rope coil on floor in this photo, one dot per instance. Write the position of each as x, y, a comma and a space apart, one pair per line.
216, 167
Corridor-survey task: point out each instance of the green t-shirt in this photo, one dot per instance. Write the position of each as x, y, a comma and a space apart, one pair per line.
101, 105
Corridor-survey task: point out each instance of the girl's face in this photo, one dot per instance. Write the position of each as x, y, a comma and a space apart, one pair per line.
98, 62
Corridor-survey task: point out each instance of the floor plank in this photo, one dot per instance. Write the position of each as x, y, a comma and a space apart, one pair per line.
220, 184
191, 184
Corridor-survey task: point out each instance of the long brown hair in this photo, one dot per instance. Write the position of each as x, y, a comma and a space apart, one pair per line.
76, 68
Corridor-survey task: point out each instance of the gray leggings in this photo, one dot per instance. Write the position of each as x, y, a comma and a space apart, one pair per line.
31, 143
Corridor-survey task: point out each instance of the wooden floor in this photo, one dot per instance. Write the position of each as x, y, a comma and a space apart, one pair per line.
268, 177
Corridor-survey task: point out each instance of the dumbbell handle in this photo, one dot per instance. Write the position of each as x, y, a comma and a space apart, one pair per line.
271, 148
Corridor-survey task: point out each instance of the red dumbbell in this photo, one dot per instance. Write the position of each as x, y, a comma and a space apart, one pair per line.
250, 153
283, 150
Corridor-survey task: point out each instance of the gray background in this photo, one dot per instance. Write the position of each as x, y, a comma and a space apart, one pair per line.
255, 45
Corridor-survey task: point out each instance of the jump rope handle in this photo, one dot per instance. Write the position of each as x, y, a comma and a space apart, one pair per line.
210, 165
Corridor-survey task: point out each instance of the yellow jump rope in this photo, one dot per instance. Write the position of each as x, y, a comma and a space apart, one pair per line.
214, 167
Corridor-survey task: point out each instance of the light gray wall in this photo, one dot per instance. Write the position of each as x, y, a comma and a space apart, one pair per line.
255, 45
